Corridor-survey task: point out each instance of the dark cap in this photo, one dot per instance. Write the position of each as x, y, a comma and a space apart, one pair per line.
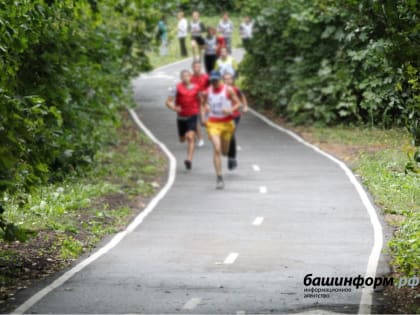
215, 76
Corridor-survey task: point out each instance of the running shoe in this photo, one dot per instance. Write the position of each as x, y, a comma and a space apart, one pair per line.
220, 184
232, 164
188, 164
200, 143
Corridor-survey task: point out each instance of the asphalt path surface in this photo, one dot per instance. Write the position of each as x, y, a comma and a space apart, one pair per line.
286, 211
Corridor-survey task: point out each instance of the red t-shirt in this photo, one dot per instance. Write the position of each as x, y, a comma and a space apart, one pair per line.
238, 93
201, 80
187, 98
220, 44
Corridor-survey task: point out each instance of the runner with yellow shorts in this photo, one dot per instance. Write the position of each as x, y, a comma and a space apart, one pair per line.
218, 104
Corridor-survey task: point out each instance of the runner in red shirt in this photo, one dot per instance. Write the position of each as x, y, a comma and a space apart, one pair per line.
230, 81
202, 80
185, 101
221, 43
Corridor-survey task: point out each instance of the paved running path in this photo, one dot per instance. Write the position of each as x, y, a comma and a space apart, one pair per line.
287, 211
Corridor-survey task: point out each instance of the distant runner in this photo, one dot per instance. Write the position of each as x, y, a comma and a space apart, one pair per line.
210, 49
219, 103
220, 43
246, 30
185, 101
162, 36
197, 40
202, 81
182, 33
226, 64
226, 28
229, 81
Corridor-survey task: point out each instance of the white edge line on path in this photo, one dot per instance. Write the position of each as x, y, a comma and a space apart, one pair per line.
263, 189
258, 221
372, 265
119, 236
230, 259
192, 304
170, 65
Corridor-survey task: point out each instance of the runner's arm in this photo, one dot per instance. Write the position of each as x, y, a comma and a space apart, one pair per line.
170, 103
236, 104
203, 108
244, 102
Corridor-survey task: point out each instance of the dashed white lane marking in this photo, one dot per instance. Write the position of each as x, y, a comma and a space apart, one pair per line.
263, 190
192, 304
256, 168
258, 221
240, 313
230, 259
375, 254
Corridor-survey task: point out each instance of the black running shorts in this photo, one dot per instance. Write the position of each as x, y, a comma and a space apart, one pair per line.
200, 40
186, 124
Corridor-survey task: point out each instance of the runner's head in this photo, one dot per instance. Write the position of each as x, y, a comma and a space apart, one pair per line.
196, 67
225, 16
215, 78
186, 77
180, 15
195, 16
247, 19
224, 53
228, 79
211, 31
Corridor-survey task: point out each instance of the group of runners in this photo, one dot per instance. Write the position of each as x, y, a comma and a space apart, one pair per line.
211, 100
214, 38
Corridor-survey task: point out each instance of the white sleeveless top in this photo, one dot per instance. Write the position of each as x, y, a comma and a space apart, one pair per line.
246, 30
226, 66
218, 102
195, 28
211, 45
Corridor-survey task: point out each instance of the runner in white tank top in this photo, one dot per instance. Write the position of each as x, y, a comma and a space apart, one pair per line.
197, 40
219, 103
226, 64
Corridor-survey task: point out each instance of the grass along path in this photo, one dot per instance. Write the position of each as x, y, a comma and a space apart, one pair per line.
68, 219
379, 157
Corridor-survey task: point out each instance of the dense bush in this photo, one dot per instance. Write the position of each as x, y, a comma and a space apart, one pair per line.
65, 71
65, 68
337, 61
343, 61
209, 7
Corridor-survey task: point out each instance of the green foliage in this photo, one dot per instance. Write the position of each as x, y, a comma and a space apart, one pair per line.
347, 62
65, 68
413, 118
70, 247
209, 7
9, 231
123, 170
336, 61
383, 173
405, 248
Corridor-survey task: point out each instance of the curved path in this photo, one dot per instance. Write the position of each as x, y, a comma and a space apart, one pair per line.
286, 212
